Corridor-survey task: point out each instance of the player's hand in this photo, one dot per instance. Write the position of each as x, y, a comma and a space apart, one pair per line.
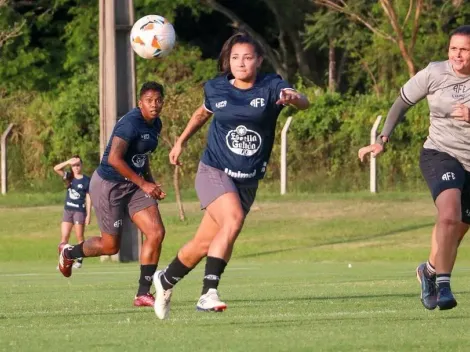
73, 161
375, 149
161, 195
288, 96
153, 190
175, 154
460, 112
87, 220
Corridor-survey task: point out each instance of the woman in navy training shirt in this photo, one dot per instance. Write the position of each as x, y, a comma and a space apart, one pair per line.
245, 105
77, 206
123, 183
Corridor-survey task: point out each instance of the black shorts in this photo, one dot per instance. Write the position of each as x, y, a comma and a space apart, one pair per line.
441, 172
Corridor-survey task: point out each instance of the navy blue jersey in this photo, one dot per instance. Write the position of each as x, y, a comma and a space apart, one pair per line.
76, 193
142, 139
241, 135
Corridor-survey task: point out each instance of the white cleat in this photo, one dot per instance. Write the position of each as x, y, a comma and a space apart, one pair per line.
77, 265
210, 302
162, 297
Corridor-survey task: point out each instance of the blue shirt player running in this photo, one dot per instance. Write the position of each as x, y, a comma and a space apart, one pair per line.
245, 105
123, 183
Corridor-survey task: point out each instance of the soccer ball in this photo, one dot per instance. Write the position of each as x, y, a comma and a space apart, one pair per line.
152, 37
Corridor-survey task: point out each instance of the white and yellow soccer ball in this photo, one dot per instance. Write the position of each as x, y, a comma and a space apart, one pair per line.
153, 37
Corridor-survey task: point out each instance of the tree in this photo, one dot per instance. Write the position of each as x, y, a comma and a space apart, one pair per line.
398, 26
289, 56
273, 58
290, 23
8, 32
331, 32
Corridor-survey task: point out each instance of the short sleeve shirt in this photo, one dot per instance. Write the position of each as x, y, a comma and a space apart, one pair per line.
142, 139
241, 134
443, 88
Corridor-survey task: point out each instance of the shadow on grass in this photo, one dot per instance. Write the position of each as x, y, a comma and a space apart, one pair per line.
300, 321
184, 305
329, 298
343, 241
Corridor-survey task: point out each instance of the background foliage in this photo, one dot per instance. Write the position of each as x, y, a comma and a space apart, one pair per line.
49, 82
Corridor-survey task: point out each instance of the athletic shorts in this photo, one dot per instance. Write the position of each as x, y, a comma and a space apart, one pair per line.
441, 172
74, 217
211, 183
111, 200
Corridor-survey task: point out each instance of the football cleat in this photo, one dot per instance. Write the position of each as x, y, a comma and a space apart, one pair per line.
210, 302
162, 297
147, 300
65, 264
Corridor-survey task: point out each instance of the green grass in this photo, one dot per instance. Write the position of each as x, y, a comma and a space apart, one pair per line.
17, 199
20, 199
288, 287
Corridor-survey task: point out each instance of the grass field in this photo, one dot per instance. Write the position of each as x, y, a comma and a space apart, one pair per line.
288, 288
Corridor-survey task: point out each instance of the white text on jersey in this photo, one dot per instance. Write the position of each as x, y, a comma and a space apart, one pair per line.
257, 102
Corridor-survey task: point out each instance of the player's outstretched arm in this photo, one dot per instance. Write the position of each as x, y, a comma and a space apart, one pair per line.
294, 98
198, 119
395, 115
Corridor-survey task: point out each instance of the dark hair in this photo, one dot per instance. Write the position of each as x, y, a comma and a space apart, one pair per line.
462, 30
238, 38
69, 175
151, 86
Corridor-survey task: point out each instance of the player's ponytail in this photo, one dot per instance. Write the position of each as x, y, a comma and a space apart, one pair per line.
68, 178
238, 38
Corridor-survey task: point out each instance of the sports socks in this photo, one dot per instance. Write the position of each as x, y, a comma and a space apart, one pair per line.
214, 270
146, 277
443, 280
429, 270
173, 273
74, 252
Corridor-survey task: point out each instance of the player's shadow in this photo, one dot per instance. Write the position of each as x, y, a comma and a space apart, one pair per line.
342, 241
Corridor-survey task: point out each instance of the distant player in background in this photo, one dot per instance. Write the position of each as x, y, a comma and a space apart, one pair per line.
444, 160
245, 105
123, 183
77, 208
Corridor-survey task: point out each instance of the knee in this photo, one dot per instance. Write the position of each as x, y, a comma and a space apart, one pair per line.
156, 235
449, 220
233, 224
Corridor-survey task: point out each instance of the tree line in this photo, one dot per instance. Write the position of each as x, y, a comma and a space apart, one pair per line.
350, 57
